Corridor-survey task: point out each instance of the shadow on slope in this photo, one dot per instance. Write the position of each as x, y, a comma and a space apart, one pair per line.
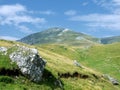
50, 80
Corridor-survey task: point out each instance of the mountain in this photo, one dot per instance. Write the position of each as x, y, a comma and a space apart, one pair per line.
61, 71
59, 36
109, 40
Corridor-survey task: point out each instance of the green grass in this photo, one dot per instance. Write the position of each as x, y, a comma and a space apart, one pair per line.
22, 84
6, 79
59, 36
105, 58
54, 54
102, 58
60, 59
6, 63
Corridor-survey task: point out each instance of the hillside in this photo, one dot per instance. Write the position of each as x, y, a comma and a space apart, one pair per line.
103, 58
109, 40
59, 36
59, 60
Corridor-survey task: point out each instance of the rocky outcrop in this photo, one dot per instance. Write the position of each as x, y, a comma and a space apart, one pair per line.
3, 50
29, 62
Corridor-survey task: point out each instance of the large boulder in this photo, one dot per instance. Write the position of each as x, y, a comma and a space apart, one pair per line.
29, 62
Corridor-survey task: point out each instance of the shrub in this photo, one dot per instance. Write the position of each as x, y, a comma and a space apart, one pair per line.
6, 79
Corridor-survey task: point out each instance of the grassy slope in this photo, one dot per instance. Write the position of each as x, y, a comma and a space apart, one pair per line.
83, 55
20, 83
59, 59
105, 58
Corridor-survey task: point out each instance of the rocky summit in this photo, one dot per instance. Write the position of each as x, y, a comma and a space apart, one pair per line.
29, 62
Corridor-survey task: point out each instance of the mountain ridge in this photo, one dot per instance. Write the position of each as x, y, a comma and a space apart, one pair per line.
109, 40
59, 36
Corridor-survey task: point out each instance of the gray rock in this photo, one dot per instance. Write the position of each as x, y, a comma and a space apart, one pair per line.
77, 64
29, 62
111, 79
3, 50
59, 83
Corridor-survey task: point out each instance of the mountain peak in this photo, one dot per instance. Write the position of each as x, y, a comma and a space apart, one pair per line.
57, 29
60, 36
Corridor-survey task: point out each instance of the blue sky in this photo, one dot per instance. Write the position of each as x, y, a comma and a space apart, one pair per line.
99, 18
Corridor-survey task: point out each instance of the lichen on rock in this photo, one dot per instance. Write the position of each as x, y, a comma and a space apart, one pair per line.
29, 62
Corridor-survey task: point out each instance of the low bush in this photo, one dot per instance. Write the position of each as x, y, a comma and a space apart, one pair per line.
6, 79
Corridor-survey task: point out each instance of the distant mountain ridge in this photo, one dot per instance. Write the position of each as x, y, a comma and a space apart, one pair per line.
109, 40
59, 36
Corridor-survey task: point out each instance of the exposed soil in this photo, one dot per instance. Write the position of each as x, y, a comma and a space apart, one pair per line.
74, 75
10, 72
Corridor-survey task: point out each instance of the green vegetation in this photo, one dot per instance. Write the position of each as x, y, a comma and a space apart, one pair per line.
105, 58
102, 58
5, 62
59, 36
60, 59
6, 79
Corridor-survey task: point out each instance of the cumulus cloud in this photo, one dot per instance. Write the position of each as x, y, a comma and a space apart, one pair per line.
110, 21
98, 20
9, 38
48, 12
70, 12
112, 5
16, 15
12, 10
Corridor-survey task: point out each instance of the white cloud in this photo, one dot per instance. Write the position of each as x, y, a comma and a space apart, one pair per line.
48, 12
98, 20
116, 2
9, 38
22, 19
24, 29
16, 15
110, 18
11, 10
111, 5
110, 21
70, 12
85, 3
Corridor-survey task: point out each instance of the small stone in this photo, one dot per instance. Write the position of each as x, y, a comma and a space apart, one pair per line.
77, 64
111, 79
